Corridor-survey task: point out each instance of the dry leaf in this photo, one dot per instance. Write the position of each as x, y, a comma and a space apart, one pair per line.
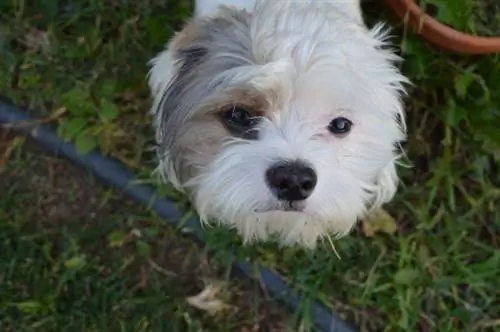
8, 148
379, 221
207, 300
38, 40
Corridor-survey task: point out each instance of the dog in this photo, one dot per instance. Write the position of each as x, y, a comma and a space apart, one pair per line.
281, 119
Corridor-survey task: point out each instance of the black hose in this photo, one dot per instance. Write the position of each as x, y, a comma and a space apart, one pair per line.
118, 176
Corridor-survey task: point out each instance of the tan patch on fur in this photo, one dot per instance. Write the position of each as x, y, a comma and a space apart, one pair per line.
207, 133
259, 102
185, 37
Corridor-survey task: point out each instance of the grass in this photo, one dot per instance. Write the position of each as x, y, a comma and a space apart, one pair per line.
82, 67
477, 17
77, 256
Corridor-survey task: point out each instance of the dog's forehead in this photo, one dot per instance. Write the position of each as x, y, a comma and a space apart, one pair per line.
300, 34
236, 48
302, 56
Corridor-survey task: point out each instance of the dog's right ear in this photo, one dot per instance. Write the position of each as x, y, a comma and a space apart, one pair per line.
180, 55
166, 79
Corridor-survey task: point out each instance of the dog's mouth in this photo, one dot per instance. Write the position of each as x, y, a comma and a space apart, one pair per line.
286, 207
294, 206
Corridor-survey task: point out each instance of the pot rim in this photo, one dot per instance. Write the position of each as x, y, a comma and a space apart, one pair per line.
441, 34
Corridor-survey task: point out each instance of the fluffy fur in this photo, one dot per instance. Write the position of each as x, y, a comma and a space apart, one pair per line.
301, 64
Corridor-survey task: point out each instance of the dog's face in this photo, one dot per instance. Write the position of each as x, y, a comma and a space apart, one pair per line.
284, 121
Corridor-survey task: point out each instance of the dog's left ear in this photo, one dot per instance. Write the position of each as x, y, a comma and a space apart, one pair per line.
386, 185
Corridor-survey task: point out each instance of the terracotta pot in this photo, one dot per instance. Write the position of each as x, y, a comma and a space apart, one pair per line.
440, 34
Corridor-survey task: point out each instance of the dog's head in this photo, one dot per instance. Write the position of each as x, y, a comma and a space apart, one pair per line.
281, 121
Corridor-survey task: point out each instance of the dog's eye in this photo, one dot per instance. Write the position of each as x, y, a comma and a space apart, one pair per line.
340, 126
240, 121
239, 116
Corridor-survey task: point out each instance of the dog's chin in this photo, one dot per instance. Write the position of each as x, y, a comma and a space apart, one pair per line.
291, 226
282, 213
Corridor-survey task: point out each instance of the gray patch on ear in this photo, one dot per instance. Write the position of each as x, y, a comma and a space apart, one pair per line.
191, 57
222, 43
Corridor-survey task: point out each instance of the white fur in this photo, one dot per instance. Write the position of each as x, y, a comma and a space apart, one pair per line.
321, 69
210, 7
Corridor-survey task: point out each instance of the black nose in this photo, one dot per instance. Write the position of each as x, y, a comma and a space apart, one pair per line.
291, 181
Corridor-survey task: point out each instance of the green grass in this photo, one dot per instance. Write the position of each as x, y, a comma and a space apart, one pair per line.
477, 17
85, 71
77, 256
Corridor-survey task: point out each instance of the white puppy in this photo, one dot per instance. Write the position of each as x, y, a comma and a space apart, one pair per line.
279, 117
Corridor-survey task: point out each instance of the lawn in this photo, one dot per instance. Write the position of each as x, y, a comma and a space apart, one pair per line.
77, 255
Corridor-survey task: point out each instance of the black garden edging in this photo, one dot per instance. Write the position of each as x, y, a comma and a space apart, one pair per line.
116, 175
